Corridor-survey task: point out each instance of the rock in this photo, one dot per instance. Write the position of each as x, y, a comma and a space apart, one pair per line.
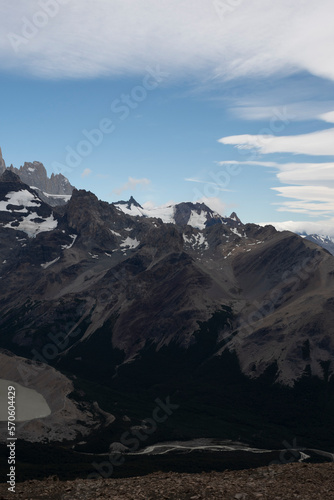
2, 163
9, 176
35, 175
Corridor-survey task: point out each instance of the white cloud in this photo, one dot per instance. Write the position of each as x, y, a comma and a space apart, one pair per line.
323, 227
294, 111
312, 186
148, 205
214, 203
315, 143
86, 172
327, 117
132, 184
309, 193
187, 37
310, 200
295, 173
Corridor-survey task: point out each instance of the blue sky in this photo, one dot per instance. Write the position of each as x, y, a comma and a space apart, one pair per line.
229, 102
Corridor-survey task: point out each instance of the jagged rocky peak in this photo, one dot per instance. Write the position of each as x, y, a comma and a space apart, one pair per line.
81, 194
2, 162
35, 174
234, 217
129, 203
9, 176
55, 190
90, 217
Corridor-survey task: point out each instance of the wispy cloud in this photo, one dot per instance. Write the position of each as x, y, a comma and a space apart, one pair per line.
251, 40
327, 117
86, 172
294, 111
218, 186
320, 143
132, 184
295, 173
323, 227
311, 189
310, 200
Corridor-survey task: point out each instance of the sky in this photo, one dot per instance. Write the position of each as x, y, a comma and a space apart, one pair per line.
230, 102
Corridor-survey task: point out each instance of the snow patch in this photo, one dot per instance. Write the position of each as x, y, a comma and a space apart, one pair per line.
130, 242
48, 264
197, 220
197, 240
235, 231
67, 247
18, 198
65, 197
31, 227
93, 256
165, 212
114, 232
133, 210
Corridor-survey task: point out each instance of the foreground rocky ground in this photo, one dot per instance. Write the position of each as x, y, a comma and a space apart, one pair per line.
276, 482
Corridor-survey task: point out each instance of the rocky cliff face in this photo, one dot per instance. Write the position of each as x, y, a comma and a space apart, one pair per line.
324, 241
55, 190
225, 315
2, 163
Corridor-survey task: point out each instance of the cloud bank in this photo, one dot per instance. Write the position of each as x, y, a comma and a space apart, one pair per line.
84, 39
311, 189
320, 143
324, 227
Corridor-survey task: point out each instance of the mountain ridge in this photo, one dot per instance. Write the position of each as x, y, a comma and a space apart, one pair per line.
137, 304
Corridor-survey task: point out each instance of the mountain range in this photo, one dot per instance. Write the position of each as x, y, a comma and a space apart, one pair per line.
326, 242
120, 306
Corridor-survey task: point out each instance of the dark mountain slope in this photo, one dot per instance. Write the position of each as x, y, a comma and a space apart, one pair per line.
234, 321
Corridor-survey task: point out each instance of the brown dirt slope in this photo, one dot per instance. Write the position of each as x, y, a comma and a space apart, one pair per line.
275, 482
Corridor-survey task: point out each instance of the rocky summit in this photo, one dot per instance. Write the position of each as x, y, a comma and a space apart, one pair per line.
54, 190
228, 325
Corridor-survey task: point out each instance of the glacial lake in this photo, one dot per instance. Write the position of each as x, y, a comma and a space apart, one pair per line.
29, 404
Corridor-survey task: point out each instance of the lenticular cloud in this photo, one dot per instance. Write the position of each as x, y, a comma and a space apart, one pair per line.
201, 39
